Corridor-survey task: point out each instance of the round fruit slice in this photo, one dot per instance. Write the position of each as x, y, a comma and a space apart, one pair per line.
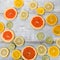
49, 40
48, 6
2, 27
16, 54
18, 3
40, 10
29, 53
19, 41
7, 35
24, 14
51, 19
9, 24
37, 22
40, 36
45, 57
11, 46
32, 5
41, 50
56, 30
53, 51
4, 52
10, 13
58, 42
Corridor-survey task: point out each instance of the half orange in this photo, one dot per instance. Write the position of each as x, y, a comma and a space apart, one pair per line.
7, 35
29, 53
10, 13
37, 22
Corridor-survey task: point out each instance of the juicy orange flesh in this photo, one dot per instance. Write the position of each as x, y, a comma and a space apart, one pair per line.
37, 22
10, 13
29, 53
7, 35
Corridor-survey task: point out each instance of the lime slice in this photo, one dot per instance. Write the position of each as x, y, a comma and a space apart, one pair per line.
11, 46
40, 36
19, 41
49, 40
41, 49
48, 6
4, 52
9, 24
45, 57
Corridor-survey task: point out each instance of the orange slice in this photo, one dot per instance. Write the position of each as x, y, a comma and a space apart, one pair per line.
51, 19
10, 13
7, 35
16, 54
18, 3
56, 30
29, 53
37, 22
53, 51
2, 27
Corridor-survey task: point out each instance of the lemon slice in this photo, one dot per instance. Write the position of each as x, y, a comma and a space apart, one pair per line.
41, 49
45, 57
24, 14
53, 51
48, 6
58, 43
19, 41
9, 24
51, 19
16, 54
18, 3
32, 5
40, 10
4, 52
40, 36
56, 30
2, 27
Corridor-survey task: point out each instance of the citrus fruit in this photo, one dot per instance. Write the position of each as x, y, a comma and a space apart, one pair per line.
40, 35
11, 46
9, 24
37, 22
49, 40
40, 10
51, 19
18, 3
7, 35
41, 49
10, 13
16, 54
32, 5
53, 51
19, 41
45, 57
4, 52
29, 53
24, 14
48, 6
58, 42
56, 30
2, 27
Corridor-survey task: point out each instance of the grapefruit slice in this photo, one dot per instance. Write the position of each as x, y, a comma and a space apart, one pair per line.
56, 30
18, 3
16, 54
2, 26
10, 13
51, 19
37, 22
7, 35
29, 53
53, 51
